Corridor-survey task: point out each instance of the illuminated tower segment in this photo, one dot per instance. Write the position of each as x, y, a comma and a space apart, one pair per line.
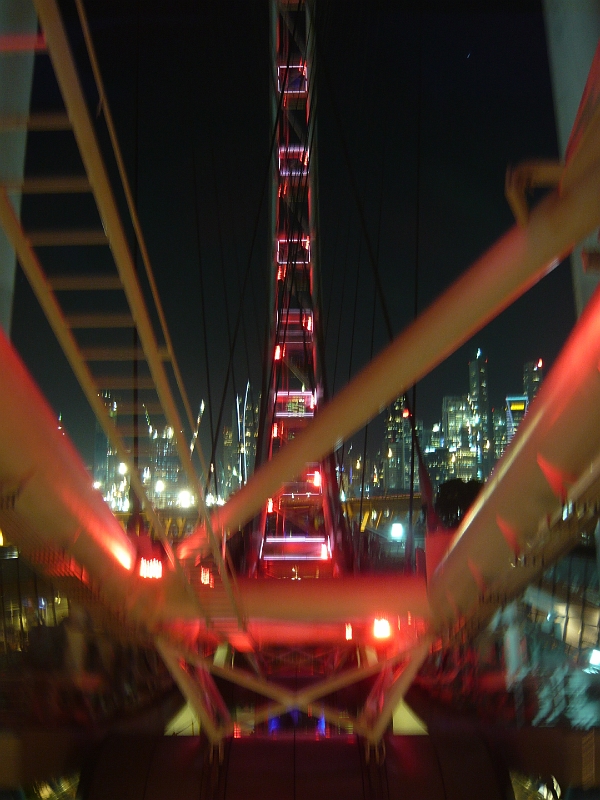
298, 521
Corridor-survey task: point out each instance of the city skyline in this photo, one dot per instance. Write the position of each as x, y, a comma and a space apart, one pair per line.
412, 153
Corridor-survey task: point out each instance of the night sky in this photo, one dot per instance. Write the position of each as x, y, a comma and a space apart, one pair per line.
419, 116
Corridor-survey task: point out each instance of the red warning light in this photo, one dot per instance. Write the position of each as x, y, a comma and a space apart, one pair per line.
317, 478
406, 413
270, 505
277, 352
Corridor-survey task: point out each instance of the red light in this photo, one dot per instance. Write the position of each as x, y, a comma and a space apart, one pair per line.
406, 413
22, 42
278, 352
280, 273
275, 430
540, 363
382, 629
237, 730
324, 553
317, 479
348, 632
270, 505
151, 568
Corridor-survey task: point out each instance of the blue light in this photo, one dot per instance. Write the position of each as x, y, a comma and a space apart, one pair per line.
273, 724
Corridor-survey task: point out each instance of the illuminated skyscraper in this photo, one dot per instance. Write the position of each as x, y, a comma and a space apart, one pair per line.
165, 468
533, 374
110, 475
499, 425
456, 421
480, 423
516, 408
397, 449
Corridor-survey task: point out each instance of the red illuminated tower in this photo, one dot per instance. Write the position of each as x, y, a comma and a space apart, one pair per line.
297, 525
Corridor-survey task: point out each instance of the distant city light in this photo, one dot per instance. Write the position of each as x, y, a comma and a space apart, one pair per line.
122, 468
97, 485
159, 486
397, 531
185, 499
382, 629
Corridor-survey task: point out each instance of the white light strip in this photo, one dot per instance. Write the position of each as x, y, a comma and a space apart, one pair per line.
294, 558
286, 539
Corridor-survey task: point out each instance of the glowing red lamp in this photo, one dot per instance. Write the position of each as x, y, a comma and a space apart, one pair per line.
382, 629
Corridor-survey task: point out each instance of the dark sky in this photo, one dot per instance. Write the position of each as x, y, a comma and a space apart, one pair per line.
418, 117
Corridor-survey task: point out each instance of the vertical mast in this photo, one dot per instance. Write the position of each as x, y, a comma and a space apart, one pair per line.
297, 527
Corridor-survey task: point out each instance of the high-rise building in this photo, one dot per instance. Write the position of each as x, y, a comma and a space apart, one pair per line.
456, 421
245, 433
110, 475
499, 432
481, 429
164, 468
397, 448
229, 475
393, 449
533, 374
516, 408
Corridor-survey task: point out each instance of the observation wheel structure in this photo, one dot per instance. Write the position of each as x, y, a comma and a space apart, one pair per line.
297, 524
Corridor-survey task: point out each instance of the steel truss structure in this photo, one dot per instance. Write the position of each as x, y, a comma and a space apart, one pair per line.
49, 509
297, 526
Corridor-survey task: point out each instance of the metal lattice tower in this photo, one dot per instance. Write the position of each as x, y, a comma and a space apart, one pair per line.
297, 524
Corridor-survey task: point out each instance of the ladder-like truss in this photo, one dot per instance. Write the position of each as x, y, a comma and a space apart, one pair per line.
297, 525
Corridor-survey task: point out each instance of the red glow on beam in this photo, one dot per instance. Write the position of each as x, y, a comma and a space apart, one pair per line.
22, 42
121, 553
277, 352
317, 479
270, 505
